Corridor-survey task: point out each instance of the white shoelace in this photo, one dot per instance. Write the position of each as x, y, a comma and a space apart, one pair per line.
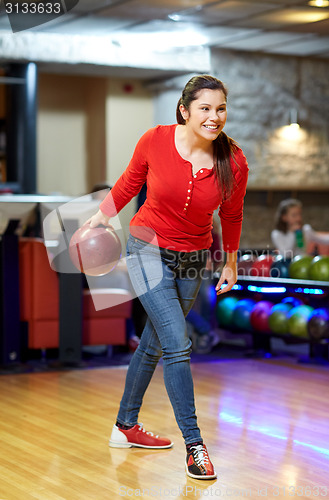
200, 455
141, 428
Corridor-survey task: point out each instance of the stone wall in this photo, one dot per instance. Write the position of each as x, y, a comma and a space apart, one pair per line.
263, 90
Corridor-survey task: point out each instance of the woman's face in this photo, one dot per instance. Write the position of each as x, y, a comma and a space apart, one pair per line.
293, 218
207, 114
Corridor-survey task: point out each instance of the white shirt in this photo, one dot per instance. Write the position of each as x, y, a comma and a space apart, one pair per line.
285, 243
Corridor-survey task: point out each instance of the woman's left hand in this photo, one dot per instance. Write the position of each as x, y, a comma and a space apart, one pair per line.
229, 274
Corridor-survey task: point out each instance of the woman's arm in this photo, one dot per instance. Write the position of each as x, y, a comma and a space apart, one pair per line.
231, 215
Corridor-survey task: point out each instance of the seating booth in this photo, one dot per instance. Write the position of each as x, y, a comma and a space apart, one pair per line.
39, 303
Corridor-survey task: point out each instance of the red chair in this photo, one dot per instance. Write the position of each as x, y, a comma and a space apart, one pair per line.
39, 303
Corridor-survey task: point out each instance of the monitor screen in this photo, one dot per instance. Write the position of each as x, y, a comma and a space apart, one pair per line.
55, 213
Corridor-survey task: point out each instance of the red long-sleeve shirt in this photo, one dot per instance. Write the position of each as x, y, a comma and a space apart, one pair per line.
179, 206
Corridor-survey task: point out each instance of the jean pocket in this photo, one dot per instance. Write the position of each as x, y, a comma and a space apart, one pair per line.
134, 245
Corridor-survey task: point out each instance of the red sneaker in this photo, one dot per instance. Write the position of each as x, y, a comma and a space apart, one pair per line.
137, 436
198, 464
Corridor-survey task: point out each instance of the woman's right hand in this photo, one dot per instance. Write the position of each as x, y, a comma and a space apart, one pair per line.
99, 219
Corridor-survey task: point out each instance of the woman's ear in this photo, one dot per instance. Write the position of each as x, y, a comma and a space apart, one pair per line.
185, 114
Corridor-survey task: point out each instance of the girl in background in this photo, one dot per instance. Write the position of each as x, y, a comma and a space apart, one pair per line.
290, 236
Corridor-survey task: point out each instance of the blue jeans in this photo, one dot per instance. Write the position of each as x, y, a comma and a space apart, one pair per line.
167, 283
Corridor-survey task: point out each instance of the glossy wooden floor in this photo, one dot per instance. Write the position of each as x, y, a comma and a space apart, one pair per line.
266, 425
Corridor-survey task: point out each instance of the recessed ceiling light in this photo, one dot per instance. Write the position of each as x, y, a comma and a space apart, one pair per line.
176, 17
319, 3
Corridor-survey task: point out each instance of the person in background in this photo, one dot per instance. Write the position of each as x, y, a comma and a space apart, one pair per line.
290, 236
192, 168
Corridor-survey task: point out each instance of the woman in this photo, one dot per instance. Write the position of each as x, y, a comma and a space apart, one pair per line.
290, 236
191, 168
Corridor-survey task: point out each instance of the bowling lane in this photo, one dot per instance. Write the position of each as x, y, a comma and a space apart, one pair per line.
265, 424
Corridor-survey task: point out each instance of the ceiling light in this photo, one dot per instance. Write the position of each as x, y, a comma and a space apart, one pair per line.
293, 119
319, 3
160, 41
175, 17
293, 131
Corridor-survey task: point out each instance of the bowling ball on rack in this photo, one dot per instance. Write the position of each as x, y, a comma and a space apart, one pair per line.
284, 306
318, 324
242, 312
280, 267
224, 311
292, 301
278, 318
95, 251
298, 319
262, 266
319, 268
260, 315
299, 267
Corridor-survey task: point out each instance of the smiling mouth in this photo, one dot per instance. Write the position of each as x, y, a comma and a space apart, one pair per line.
211, 127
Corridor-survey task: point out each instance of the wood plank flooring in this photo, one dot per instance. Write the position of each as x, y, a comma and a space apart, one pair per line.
265, 423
